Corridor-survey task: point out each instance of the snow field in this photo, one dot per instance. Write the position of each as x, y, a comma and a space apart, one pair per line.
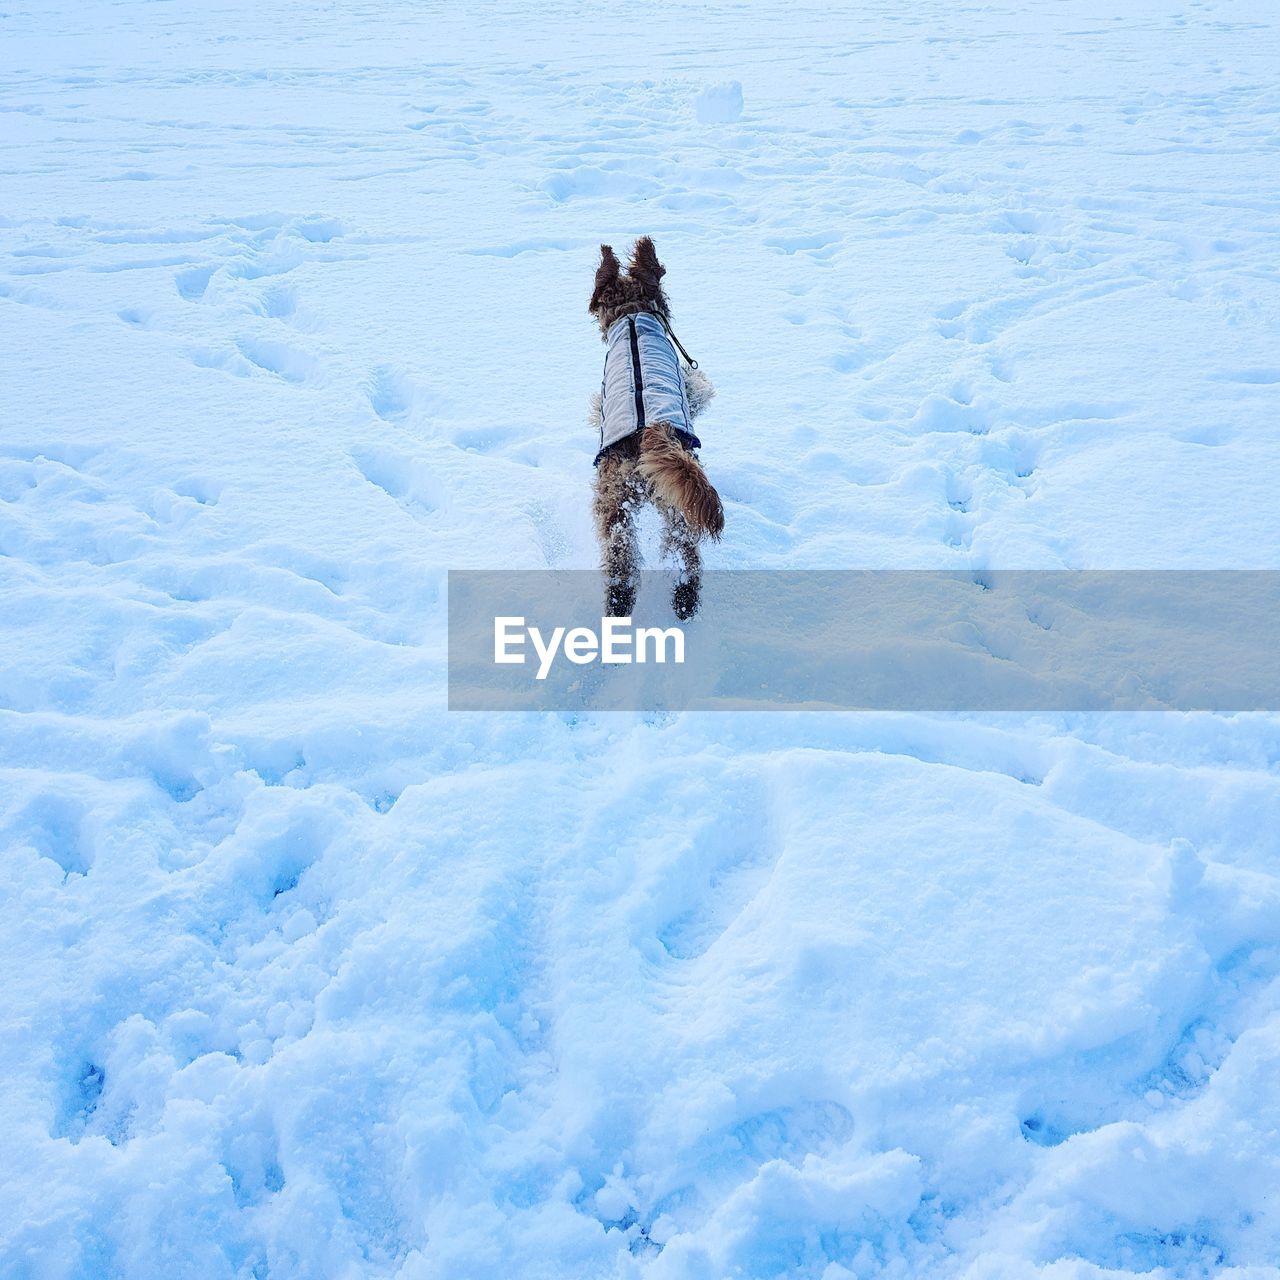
305, 976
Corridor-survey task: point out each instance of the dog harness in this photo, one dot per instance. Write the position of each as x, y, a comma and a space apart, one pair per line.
642, 383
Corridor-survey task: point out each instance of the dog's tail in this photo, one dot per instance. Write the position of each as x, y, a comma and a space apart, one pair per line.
678, 480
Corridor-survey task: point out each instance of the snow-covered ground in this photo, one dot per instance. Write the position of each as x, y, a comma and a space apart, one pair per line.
305, 976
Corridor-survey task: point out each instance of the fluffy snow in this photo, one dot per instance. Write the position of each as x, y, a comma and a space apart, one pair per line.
307, 977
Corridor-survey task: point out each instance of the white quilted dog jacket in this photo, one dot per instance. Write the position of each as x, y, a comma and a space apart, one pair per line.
643, 382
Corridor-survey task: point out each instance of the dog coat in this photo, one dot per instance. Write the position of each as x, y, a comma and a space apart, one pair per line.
642, 383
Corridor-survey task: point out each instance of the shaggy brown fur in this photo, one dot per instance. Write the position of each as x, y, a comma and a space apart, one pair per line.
653, 463
677, 480
617, 295
621, 490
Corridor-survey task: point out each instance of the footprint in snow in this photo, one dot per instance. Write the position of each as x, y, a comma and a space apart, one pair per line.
280, 359
405, 479
719, 873
390, 393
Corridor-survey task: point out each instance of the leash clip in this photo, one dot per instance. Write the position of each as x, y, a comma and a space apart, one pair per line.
689, 360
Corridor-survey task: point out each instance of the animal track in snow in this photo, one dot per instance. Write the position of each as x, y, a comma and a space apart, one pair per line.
819, 246
959, 494
1211, 435
30, 296
402, 477
279, 358
396, 396
516, 248
280, 302
587, 181
78, 1102
390, 393
983, 322
257, 248
943, 413
726, 864
193, 282
958, 531
488, 439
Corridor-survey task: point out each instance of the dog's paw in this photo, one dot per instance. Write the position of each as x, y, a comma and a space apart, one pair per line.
685, 599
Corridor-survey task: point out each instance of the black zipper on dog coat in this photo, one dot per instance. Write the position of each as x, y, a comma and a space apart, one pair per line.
638, 376
665, 394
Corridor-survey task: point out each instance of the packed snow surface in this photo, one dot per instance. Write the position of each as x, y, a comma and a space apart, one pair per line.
305, 976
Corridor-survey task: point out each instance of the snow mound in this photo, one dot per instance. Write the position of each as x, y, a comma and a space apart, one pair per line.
719, 103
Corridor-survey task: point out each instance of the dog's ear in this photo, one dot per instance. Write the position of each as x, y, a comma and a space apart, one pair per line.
645, 266
606, 274
647, 272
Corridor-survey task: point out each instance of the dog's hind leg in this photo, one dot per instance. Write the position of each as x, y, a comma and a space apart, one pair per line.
681, 542
619, 490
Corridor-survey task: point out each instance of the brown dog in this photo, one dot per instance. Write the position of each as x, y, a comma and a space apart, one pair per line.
645, 408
